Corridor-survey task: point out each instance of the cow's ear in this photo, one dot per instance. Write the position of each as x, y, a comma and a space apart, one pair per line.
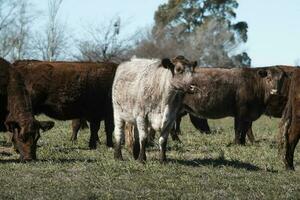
166, 63
262, 73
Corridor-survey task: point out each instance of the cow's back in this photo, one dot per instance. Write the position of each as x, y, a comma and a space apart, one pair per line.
140, 85
67, 90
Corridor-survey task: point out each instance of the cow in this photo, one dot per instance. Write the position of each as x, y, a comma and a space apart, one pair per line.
72, 90
242, 93
16, 113
80, 122
148, 93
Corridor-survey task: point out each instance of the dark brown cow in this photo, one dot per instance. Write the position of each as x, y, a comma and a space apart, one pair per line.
290, 123
16, 112
242, 93
274, 108
70, 90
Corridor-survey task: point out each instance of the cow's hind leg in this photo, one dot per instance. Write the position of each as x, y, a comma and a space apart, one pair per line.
136, 143
75, 129
142, 128
250, 134
292, 139
94, 138
119, 133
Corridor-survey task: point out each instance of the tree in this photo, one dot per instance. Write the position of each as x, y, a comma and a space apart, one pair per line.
103, 43
201, 29
8, 10
50, 44
22, 32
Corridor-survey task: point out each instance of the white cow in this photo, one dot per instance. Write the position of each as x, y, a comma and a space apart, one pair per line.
148, 93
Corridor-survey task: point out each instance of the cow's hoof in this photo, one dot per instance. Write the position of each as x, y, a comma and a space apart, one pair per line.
290, 168
142, 159
118, 156
93, 146
163, 161
110, 145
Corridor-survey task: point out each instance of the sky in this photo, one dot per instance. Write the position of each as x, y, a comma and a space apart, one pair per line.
273, 34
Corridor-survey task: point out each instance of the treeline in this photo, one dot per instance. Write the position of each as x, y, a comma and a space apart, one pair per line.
202, 30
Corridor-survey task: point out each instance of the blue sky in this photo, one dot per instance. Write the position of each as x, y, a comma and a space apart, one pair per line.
274, 25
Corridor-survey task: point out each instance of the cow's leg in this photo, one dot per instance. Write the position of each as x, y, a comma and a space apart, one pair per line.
200, 124
163, 145
142, 128
292, 142
175, 130
119, 133
109, 128
292, 135
94, 138
241, 127
75, 129
136, 143
163, 141
250, 134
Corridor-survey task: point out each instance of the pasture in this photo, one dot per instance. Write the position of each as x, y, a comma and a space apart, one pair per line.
202, 167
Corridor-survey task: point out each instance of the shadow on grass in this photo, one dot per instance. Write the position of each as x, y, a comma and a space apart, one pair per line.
66, 160
217, 163
59, 160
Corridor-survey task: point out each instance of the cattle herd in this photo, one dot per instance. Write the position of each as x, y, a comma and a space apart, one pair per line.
148, 96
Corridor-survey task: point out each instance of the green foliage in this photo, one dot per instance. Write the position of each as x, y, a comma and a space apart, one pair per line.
202, 167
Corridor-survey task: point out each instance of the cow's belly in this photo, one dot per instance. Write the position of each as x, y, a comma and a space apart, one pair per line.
212, 106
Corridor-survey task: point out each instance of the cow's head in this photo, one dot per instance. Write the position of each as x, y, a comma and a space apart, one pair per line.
182, 70
26, 135
273, 79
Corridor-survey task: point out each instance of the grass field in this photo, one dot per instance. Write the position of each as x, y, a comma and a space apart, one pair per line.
202, 167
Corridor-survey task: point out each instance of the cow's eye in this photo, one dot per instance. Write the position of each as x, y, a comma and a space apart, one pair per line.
178, 70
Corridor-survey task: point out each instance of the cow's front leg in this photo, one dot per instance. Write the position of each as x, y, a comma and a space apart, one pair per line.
163, 141
109, 128
94, 138
142, 128
241, 127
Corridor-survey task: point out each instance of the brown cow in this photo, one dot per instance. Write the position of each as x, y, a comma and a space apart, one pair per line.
242, 93
16, 112
290, 123
274, 108
70, 90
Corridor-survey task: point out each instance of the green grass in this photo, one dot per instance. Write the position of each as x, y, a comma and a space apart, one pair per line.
202, 167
